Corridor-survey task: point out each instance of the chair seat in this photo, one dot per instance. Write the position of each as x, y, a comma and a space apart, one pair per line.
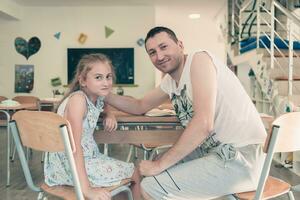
274, 187
68, 192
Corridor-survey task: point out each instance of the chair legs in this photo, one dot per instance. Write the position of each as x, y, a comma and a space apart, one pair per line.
291, 195
155, 151
131, 149
41, 196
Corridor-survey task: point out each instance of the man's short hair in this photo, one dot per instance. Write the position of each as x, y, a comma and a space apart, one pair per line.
160, 29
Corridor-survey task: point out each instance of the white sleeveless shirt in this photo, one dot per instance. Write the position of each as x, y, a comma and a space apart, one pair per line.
236, 119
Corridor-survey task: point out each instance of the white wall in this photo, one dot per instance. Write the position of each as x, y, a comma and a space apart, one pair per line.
203, 33
129, 23
10, 10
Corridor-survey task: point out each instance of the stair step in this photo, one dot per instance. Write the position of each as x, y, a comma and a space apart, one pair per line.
261, 11
283, 87
295, 99
285, 78
277, 54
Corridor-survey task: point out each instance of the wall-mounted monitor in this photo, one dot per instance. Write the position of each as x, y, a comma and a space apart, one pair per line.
122, 60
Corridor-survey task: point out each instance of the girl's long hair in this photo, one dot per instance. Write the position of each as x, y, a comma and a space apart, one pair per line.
83, 67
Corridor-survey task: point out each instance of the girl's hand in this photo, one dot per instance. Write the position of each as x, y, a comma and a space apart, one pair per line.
110, 123
97, 194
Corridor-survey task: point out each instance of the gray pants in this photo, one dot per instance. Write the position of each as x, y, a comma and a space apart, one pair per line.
224, 170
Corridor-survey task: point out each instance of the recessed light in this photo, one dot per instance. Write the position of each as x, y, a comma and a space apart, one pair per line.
194, 16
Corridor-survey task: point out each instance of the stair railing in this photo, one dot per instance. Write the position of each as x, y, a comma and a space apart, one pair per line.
292, 21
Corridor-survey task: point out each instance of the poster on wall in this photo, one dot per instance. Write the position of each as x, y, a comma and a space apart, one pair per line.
24, 75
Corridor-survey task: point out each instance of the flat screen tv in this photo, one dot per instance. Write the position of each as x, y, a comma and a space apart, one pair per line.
122, 60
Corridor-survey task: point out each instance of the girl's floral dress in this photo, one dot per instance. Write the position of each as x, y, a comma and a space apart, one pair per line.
101, 170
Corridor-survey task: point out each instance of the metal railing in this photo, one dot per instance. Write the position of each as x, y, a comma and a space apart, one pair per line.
265, 37
274, 31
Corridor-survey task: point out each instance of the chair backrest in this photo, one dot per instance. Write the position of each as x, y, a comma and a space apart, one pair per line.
284, 137
40, 130
28, 99
288, 138
2, 98
44, 131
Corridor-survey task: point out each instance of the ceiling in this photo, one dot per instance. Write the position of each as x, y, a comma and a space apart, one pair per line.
58, 3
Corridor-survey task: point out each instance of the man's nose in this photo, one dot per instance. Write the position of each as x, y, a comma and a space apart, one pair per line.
160, 56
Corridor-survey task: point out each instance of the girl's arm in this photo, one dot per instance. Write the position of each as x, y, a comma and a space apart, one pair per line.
75, 112
109, 120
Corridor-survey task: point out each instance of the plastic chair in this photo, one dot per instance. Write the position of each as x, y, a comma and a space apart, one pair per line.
49, 132
284, 137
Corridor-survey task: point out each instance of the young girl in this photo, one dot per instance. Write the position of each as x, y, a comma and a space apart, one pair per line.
81, 107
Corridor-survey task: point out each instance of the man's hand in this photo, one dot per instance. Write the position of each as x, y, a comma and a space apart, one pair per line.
149, 168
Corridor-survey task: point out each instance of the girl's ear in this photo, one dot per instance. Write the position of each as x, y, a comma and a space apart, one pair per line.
81, 82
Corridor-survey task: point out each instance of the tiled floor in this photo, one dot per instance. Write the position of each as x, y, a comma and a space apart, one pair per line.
19, 191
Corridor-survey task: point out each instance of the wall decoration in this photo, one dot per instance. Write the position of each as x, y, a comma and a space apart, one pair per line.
108, 31
82, 38
24, 78
56, 82
120, 90
140, 42
27, 49
57, 35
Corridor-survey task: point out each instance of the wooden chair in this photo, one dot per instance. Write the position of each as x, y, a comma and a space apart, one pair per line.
284, 137
2, 98
35, 101
3, 116
29, 99
47, 131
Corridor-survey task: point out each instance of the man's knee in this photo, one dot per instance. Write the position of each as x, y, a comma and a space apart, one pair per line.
147, 187
147, 183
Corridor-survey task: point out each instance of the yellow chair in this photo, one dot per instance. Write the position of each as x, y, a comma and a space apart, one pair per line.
284, 137
49, 132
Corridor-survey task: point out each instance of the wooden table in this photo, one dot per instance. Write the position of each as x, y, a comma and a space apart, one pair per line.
156, 137
6, 110
50, 102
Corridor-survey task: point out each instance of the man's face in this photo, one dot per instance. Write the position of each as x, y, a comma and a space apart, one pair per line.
165, 53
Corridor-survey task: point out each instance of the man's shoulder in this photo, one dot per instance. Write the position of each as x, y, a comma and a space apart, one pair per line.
201, 55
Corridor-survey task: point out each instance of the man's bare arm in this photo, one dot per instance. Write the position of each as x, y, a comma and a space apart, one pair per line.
137, 106
204, 84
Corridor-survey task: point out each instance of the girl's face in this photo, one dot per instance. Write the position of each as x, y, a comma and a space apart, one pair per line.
98, 80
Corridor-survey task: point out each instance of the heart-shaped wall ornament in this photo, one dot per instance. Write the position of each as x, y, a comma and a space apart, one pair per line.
29, 48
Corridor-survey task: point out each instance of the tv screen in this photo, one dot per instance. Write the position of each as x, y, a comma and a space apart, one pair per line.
122, 60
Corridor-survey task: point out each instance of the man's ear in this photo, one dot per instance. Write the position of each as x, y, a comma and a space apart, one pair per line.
180, 44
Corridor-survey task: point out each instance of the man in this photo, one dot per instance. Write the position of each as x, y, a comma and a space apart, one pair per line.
219, 153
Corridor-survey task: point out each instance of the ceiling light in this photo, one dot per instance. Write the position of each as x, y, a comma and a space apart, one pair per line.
194, 16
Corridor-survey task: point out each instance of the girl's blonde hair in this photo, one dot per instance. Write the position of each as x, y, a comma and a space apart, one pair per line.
83, 67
